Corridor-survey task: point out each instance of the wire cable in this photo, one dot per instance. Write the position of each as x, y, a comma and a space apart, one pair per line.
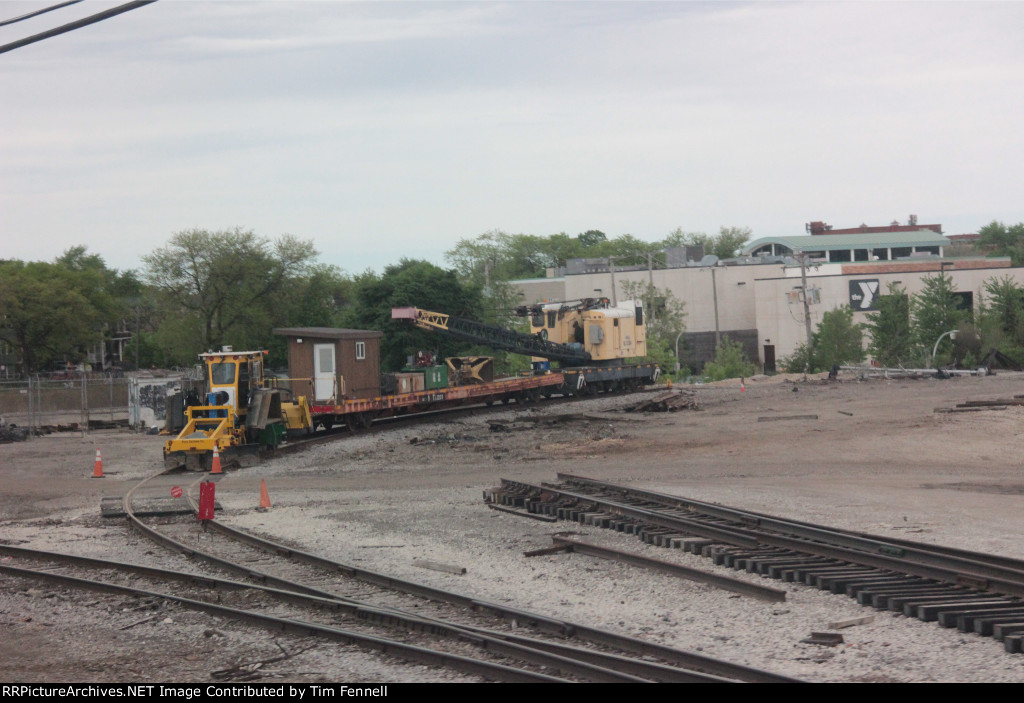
4, 23
77, 24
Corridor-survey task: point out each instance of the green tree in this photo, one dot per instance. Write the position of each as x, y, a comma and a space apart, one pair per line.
725, 245
729, 241
412, 283
730, 362
838, 340
223, 287
935, 310
1002, 240
1004, 311
889, 327
665, 319
46, 314
592, 238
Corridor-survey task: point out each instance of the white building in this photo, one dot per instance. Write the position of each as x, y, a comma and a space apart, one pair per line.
758, 300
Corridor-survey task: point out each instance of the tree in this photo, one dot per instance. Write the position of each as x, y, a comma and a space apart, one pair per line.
46, 316
725, 245
889, 326
1002, 240
1004, 310
412, 283
838, 340
729, 241
222, 287
592, 238
935, 310
730, 362
665, 319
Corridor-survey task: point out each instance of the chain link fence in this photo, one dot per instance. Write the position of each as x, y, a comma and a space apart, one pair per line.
87, 401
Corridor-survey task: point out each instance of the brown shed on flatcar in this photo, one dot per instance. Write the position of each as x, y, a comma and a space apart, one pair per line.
328, 364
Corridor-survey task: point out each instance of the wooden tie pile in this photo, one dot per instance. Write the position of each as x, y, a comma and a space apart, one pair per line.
668, 402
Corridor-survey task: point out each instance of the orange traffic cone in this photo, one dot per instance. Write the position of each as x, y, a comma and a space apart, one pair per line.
215, 467
264, 496
743, 389
97, 469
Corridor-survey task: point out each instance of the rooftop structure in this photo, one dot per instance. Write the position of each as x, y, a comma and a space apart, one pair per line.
875, 246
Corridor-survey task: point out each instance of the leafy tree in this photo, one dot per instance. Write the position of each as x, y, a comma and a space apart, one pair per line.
729, 241
800, 361
1002, 240
47, 316
838, 340
725, 245
889, 326
223, 287
592, 238
665, 319
412, 283
730, 362
1005, 309
935, 310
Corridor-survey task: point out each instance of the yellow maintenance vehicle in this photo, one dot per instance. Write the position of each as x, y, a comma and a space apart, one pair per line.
243, 414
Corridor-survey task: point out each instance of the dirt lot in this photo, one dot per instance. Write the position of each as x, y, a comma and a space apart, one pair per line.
877, 458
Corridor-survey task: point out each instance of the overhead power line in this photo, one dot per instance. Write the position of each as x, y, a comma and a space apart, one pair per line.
77, 24
4, 23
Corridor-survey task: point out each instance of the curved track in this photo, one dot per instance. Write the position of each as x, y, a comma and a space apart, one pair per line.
339, 601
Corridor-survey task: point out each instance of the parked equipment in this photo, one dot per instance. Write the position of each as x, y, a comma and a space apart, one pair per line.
590, 339
241, 414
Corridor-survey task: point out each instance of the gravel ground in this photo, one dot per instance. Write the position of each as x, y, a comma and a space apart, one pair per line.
877, 459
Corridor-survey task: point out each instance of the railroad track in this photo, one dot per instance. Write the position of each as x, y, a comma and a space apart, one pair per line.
971, 591
384, 424
306, 594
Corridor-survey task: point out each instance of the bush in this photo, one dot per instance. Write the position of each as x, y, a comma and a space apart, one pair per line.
730, 362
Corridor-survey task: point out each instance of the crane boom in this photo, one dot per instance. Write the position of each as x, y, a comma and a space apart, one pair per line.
494, 336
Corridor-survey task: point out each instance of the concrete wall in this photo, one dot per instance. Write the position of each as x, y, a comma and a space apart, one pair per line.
780, 311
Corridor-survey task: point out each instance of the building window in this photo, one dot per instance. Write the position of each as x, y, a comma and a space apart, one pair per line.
360, 350
964, 300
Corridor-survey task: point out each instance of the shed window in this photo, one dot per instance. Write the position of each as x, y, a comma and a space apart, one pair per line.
360, 350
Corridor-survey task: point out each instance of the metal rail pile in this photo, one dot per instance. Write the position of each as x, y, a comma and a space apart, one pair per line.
972, 591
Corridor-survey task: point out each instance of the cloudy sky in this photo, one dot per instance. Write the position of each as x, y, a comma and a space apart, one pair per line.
389, 129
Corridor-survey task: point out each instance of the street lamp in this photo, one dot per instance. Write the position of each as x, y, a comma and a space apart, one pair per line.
952, 335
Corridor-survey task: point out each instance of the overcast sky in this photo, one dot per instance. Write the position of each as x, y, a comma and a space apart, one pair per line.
389, 129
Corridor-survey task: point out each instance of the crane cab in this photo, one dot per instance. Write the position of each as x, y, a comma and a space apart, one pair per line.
607, 333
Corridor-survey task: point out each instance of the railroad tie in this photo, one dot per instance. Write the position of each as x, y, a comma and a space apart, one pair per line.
982, 621
783, 571
930, 612
888, 583
1004, 630
881, 600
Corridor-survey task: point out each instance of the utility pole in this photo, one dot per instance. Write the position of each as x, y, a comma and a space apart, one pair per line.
714, 298
611, 267
807, 311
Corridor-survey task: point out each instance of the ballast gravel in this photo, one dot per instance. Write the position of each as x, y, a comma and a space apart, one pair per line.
876, 457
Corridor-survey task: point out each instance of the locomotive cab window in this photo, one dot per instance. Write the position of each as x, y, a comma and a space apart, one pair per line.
360, 350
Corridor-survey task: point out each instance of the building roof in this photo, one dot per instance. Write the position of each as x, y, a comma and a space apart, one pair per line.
327, 333
873, 240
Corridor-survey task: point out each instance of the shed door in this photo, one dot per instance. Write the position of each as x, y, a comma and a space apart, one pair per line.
323, 371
